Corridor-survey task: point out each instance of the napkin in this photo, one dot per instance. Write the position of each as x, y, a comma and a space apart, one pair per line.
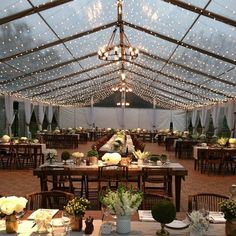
145, 215
216, 217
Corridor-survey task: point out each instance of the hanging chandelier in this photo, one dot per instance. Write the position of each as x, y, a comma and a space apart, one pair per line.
121, 51
122, 88
123, 104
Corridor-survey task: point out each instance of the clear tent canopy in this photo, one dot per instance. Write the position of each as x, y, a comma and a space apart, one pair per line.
186, 58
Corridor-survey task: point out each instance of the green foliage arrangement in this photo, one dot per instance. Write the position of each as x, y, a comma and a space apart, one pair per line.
65, 155
163, 212
92, 153
77, 206
228, 207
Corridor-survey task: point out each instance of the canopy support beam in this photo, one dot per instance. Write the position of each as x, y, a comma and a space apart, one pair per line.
32, 10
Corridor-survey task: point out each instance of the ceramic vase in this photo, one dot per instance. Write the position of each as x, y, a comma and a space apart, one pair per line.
123, 224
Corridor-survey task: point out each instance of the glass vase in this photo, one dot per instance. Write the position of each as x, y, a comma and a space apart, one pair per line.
123, 224
76, 222
11, 224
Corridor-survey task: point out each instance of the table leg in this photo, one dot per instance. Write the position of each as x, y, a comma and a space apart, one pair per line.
177, 192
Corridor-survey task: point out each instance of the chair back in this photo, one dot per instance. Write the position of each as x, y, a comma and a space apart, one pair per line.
111, 175
149, 200
209, 200
156, 179
48, 200
59, 177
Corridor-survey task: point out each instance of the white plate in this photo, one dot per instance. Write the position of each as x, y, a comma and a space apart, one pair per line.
177, 224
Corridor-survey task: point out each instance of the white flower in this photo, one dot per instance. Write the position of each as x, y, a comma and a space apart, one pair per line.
198, 222
112, 158
122, 201
141, 155
12, 204
43, 216
78, 154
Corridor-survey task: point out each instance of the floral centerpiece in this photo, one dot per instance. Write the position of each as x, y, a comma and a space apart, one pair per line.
198, 223
42, 220
76, 209
6, 138
141, 156
232, 142
9, 206
228, 207
222, 141
111, 158
51, 154
123, 203
78, 156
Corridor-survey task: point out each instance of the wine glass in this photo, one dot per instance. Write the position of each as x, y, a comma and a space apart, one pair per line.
105, 212
204, 209
66, 222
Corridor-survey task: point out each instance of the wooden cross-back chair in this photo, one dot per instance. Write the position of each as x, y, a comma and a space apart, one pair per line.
157, 180
59, 177
209, 200
48, 200
111, 176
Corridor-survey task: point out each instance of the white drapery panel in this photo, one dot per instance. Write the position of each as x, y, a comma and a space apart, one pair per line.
195, 119
49, 115
229, 113
217, 118
40, 112
204, 115
10, 116
133, 118
92, 118
56, 114
179, 120
154, 115
188, 119
28, 113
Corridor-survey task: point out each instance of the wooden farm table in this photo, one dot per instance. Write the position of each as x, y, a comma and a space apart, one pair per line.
37, 150
108, 146
142, 228
200, 153
178, 171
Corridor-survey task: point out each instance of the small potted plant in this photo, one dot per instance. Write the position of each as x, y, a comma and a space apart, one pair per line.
228, 207
65, 155
76, 209
163, 212
155, 159
92, 156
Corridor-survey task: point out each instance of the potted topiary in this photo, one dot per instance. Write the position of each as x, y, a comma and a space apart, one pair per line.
65, 155
92, 156
155, 159
163, 212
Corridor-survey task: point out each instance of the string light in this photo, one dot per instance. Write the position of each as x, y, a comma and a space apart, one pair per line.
31, 32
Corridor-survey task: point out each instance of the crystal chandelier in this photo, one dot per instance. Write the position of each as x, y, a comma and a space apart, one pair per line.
122, 51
